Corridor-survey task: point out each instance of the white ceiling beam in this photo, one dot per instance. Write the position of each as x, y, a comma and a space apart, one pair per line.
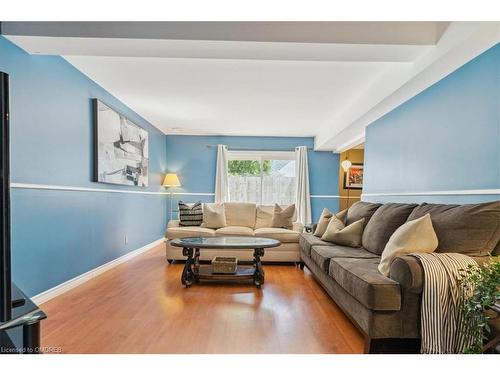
70, 46
462, 42
401, 33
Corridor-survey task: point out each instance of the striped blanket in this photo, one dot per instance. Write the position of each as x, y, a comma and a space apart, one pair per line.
440, 315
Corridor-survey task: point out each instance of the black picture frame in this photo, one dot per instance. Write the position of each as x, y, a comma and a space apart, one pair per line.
347, 187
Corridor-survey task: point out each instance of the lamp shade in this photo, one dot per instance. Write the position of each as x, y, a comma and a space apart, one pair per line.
171, 180
346, 164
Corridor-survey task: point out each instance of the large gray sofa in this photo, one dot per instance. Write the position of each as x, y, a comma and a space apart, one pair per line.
387, 309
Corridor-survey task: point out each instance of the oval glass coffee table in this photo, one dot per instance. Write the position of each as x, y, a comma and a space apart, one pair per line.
194, 272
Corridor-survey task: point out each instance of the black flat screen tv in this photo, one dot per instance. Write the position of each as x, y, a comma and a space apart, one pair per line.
5, 270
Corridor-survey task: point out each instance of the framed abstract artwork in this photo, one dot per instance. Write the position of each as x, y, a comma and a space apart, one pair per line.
120, 148
353, 178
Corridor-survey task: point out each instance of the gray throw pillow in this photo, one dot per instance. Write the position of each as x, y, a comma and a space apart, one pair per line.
324, 220
340, 234
383, 224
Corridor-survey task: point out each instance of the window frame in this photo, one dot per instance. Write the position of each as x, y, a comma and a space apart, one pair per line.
260, 156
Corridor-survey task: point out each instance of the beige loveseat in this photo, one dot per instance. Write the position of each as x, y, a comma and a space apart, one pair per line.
242, 219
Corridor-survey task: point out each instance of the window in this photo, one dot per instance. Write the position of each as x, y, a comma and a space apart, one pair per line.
261, 177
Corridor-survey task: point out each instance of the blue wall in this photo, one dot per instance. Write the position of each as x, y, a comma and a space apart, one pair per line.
57, 235
195, 164
445, 138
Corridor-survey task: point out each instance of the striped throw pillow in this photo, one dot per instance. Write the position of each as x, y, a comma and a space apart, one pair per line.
190, 215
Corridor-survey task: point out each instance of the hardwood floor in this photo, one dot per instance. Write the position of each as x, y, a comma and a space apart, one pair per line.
141, 307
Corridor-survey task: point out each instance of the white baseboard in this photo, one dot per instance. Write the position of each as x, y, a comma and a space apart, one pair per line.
74, 282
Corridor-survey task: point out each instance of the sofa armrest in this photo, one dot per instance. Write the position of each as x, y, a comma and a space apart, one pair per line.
173, 224
408, 272
298, 227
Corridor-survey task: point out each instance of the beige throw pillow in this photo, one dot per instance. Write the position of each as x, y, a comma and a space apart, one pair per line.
264, 217
415, 236
213, 215
282, 218
324, 219
342, 215
340, 234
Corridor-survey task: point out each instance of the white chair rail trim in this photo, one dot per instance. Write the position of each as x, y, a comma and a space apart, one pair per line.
18, 185
437, 192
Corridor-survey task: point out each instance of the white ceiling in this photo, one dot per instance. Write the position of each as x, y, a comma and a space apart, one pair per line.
290, 84
232, 97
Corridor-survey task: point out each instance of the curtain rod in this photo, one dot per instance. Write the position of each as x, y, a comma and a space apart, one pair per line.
257, 149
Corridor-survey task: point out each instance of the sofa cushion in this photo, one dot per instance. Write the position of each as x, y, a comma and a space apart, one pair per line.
361, 210
362, 280
283, 217
234, 231
190, 215
415, 236
264, 216
240, 214
323, 222
181, 232
472, 229
496, 250
321, 255
342, 215
280, 234
340, 234
384, 222
213, 216
308, 240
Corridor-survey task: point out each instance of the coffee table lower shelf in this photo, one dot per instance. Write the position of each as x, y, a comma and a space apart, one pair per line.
242, 273
194, 272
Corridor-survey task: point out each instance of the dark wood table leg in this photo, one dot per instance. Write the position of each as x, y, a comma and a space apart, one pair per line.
196, 263
258, 276
187, 277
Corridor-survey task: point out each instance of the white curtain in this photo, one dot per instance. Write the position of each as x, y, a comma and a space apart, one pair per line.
221, 175
303, 198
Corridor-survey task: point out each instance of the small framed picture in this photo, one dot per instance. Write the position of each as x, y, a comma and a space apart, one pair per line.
353, 178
